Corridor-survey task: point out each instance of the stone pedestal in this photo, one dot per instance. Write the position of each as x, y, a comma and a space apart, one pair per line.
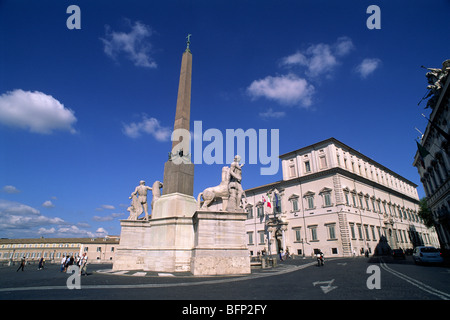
220, 243
178, 178
164, 243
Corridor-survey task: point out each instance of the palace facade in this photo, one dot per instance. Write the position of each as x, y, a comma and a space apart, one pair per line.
334, 199
99, 250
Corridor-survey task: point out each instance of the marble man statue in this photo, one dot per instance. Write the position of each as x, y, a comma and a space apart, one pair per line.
235, 183
139, 201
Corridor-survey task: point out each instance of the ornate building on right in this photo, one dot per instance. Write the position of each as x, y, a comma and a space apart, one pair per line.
432, 158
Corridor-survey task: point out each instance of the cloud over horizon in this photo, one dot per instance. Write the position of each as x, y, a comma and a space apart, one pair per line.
18, 220
35, 111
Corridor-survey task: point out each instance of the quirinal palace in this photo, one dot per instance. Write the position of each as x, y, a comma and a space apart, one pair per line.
334, 199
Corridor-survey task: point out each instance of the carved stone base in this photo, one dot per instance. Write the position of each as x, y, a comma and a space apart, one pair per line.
220, 244
164, 243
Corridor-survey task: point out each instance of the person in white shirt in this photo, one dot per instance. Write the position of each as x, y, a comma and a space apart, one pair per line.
83, 264
63, 263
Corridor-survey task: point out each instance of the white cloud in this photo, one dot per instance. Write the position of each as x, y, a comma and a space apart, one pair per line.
343, 46
10, 189
271, 114
147, 126
35, 111
367, 67
107, 218
320, 59
14, 215
42, 231
133, 45
16, 209
18, 220
105, 206
74, 231
101, 232
287, 90
48, 204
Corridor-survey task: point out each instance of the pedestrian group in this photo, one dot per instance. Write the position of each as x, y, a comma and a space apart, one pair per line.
66, 262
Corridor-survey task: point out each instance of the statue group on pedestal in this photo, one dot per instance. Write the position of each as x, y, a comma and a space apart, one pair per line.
139, 199
230, 189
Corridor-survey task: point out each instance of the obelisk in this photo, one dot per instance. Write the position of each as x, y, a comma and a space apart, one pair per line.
164, 243
179, 175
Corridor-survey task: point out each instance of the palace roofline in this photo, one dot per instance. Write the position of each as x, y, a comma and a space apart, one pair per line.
348, 149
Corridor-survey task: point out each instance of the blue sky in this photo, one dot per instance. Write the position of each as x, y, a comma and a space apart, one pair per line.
85, 114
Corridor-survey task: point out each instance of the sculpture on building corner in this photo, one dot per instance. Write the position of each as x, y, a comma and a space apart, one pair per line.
436, 78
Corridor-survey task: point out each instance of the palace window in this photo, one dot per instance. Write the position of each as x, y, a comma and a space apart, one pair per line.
294, 202
326, 197
260, 211
291, 168
261, 237
331, 228
250, 237
249, 210
360, 234
313, 231
367, 202
309, 197
354, 199
323, 162
352, 230
298, 236
366, 229
347, 201
307, 167
373, 233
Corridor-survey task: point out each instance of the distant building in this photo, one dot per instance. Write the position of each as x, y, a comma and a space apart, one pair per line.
334, 199
99, 250
433, 156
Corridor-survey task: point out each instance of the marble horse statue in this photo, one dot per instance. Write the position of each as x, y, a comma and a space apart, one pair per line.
220, 191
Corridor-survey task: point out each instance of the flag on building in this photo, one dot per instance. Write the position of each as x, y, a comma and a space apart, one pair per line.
268, 201
422, 154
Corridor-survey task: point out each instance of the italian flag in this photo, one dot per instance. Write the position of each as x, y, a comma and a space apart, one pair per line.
267, 201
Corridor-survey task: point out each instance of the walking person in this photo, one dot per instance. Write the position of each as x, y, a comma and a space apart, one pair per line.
22, 264
83, 264
63, 263
41, 264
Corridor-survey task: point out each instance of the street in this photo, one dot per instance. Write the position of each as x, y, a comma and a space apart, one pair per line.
295, 279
